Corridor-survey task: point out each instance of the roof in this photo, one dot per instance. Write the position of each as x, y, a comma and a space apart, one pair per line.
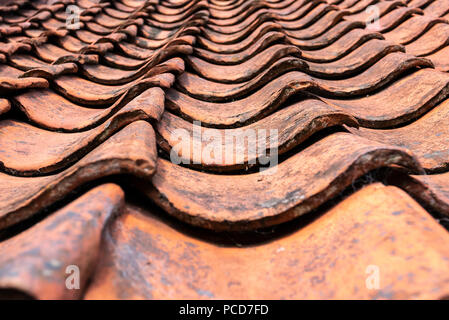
224, 149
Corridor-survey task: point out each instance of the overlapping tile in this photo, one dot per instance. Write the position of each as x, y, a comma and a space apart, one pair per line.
291, 125
69, 117
327, 259
85, 104
34, 263
296, 186
132, 150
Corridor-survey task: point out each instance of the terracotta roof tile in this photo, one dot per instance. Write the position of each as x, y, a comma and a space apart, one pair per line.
353, 113
71, 236
301, 183
132, 150
327, 259
294, 124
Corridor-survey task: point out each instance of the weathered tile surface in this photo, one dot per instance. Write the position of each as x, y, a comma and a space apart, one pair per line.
356, 106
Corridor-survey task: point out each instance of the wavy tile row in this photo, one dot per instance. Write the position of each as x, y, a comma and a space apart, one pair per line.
91, 111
